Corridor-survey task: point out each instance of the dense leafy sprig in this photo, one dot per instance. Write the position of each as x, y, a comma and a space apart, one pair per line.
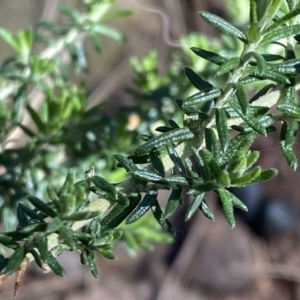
209, 149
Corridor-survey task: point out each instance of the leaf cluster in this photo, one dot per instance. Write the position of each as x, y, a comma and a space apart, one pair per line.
202, 146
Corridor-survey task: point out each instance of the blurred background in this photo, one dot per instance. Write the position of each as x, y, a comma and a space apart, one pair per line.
259, 258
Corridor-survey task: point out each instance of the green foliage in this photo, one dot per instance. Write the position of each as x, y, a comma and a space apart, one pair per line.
208, 119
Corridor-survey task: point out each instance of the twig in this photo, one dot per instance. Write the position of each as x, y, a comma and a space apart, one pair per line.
166, 23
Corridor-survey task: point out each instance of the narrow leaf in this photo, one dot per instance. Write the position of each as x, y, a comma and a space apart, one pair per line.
261, 9
37, 258
270, 74
289, 53
176, 180
292, 4
193, 206
80, 194
71, 12
25, 41
176, 160
42, 246
143, 206
174, 201
289, 156
67, 237
68, 185
83, 258
250, 120
52, 27
95, 228
81, 216
107, 254
253, 11
9, 39
282, 32
15, 261
145, 176
36, 119
67, 204
204, 170
247, 178
108, 31
240, 142
290, 134
222, 128
190, 167
105, 186
237, 203
271, 9
96, 41
119, 213
42, 206
228, 66
272, 57
22, 218
55, 266
202, 97
260, 60
54, 225
261, 92
227, 206
27, 130
252, 158
291, 66
157, 164
117, 234
224, 179
223, 25
125, 162
118, 13
196, 80
210, 56
35, 227
291, 110
163, 129
249, 79
211, 163
161, 219
53, 197
30, 213
266, 175
237, 164
212, 143
173, 136
173, 124
204, 208
282, 20
242, 98
10, 244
